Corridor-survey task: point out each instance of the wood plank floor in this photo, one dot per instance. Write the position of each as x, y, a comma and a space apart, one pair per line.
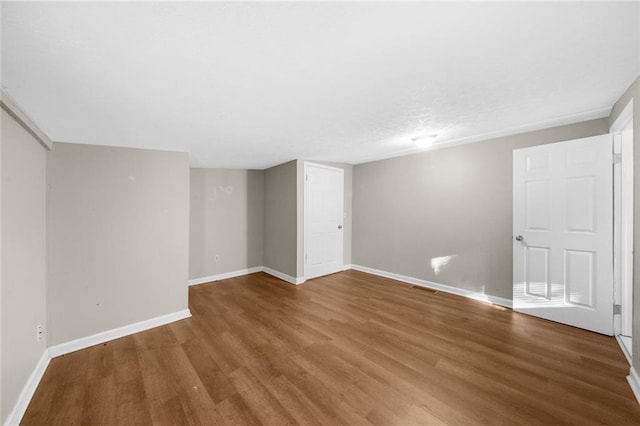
349, 348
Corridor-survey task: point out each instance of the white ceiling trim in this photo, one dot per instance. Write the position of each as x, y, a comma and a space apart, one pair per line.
541, 125
14, 110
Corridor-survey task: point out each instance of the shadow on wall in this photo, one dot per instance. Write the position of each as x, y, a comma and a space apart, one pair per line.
255, 218
197, 221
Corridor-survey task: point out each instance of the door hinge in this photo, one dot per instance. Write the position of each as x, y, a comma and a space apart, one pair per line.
617, 158
617, 309
306, 177
305, 258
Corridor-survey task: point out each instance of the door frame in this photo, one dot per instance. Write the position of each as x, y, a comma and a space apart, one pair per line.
623, 225
305, 210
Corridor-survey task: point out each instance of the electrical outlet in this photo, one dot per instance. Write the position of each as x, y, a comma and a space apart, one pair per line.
39, 333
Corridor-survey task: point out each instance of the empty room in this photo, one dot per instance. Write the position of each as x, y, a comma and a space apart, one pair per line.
327, 213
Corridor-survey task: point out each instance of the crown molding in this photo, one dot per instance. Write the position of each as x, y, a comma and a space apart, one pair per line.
12, 108
511, 131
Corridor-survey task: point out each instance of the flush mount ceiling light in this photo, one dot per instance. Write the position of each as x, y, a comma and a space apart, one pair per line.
424, 141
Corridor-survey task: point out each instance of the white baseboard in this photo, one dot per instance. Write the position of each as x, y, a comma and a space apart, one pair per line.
225, 275
29, 389
284, 277
634, 382
241, 272
624, 350
436, 286
116, 333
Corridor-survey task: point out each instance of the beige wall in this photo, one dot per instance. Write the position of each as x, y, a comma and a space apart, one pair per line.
634, 93
449, 202
118, 239
280, 218
23, 303
227, 211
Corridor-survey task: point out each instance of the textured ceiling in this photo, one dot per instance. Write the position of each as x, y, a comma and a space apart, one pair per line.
251, 85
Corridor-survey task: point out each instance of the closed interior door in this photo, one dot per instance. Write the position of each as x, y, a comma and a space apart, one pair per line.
323, 224
563, 232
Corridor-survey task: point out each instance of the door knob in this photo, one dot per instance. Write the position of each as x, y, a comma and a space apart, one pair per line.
519, 238
339, 226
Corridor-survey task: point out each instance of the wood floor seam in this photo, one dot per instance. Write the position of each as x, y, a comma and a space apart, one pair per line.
350, 348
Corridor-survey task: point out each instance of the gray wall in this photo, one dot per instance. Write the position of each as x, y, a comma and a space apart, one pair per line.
23, 258
280, 218
227, 220
118, 238
448, 202
634, 93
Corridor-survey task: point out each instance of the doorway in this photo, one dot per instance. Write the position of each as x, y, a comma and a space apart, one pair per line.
323, 220
622, 131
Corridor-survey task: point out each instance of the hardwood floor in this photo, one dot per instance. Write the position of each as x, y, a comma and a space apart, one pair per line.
349, 348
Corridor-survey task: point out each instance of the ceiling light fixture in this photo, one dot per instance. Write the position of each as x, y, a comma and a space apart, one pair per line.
424, 141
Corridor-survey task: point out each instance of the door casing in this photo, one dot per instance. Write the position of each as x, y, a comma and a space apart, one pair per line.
622, 131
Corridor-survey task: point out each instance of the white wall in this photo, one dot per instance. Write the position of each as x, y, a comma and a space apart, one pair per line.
22, 257
118, 240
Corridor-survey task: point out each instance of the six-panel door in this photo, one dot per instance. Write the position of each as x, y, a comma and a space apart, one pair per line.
563, 211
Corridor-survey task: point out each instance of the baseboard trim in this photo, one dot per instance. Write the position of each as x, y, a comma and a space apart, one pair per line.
623, 348
241, 272
15, 417
116, 333
30, 387
284, 277
634, 382
225, 275
436, 286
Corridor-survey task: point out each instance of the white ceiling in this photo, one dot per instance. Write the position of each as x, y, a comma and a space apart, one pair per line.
251, 85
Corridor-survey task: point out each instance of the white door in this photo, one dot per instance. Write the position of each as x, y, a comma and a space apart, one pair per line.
563, 232
323, 220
